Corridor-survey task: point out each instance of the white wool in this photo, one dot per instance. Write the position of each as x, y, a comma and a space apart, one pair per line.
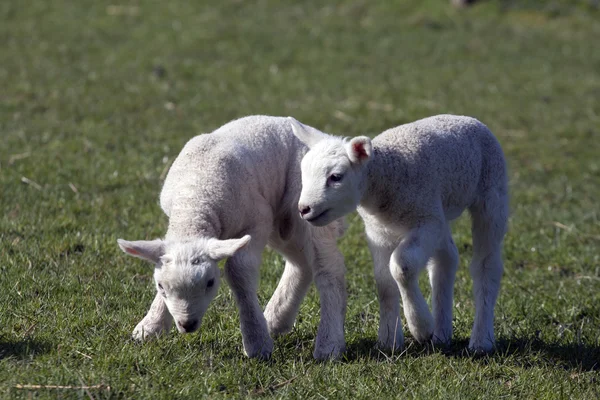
242, 179
408, 183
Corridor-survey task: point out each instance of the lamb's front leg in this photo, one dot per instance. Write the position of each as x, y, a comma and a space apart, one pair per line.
241, 272
390, 334
157, 321
407, 261
329, 276
442, 272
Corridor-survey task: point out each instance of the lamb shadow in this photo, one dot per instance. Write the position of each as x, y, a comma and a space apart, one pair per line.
22, 349
571, 356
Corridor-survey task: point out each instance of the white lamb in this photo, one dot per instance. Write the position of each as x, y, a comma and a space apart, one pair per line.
242, 181
408, 183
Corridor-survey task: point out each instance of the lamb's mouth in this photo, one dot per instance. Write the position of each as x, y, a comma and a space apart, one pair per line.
313, 219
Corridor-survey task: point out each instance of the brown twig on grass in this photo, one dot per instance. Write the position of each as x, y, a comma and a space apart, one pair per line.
16, 157
28, 330
35, 387
275, 387
574, 230
31, 183
83, 354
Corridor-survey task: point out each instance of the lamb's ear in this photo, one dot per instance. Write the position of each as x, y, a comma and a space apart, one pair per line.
359, 149
306, 134
220, 249
149, 250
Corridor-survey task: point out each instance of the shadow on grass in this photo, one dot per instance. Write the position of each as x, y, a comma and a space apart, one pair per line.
571, 356
22, 349
521, 351
533, 352
526, 352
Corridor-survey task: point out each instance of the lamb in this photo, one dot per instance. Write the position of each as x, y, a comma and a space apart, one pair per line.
408, 184
227, 195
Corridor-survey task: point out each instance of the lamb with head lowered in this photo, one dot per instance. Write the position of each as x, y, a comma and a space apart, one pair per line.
227, 195
408, 183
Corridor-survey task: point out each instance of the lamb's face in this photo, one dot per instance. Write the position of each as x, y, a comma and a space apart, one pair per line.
330, 183
188, 279
332, 173
186, 273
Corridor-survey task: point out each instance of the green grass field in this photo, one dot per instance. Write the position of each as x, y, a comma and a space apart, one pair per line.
97, 98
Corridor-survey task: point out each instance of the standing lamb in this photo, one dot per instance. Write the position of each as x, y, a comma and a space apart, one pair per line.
242, 181
408, 183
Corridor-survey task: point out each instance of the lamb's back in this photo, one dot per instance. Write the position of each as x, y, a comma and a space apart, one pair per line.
243, 164
443, 156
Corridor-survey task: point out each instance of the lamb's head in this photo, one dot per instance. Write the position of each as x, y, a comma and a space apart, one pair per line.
186, 273
332, 174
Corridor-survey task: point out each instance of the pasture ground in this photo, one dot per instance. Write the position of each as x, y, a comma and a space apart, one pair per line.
97, 98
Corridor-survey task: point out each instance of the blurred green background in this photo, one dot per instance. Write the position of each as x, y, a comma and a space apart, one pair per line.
98, 97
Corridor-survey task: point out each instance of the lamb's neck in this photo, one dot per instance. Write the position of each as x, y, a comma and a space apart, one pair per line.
192, 223
373, 183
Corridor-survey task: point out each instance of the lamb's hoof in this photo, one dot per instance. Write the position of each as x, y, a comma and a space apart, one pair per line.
422, 336
330, 351
259, 355
146, 331
387, 342
422, 330
261, 351
480, 348
442, 340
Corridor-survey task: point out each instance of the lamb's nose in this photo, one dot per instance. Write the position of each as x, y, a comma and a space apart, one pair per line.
188, 325
303, 209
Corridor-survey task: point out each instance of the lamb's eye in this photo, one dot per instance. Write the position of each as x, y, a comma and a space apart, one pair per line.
335, 177
161, 287
210, 283
196, 261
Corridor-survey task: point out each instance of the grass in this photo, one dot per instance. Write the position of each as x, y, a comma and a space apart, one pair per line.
97, 99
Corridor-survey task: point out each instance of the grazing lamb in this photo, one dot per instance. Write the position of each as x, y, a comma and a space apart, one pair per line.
408, 183
227, 195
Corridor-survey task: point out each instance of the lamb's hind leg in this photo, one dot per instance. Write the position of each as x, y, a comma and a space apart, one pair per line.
486, 270
442, 272
407, 261
282, 309
157, 321
488, 228
242, 273
390, 334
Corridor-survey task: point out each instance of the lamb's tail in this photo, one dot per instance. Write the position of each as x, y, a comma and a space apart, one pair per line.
489, 212
489, 221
